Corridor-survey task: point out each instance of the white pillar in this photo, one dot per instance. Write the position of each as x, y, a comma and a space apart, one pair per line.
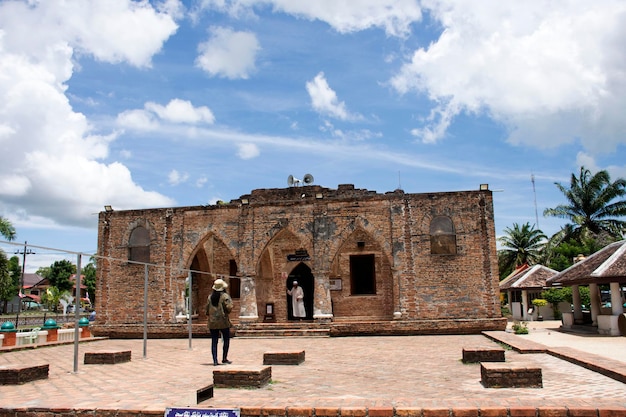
525, 306
578, 311
616, 299
594, 294
248, 310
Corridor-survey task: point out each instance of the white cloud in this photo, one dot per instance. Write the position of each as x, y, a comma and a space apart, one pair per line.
550, 71
126, 154
248, 150
112, 31
345, 16
50, 164
585, 160
137, 120
200, 182
182, 111
395, 16
324, 99
175, 177
349, 135
176, 111
228, 53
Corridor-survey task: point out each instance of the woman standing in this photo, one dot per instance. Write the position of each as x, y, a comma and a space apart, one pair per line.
218, 307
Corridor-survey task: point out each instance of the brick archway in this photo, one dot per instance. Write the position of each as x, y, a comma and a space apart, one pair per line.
302, 274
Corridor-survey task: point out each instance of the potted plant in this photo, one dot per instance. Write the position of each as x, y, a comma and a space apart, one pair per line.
539, 302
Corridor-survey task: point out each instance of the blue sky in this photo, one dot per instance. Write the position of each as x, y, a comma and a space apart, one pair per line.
177, 103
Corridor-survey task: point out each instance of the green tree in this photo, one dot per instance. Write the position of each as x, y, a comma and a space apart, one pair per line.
6, 229
60, 273
594, 205
15, 270
51, 297
89, 272
562, 256
7, 288
521, 244
44, 271
555, 296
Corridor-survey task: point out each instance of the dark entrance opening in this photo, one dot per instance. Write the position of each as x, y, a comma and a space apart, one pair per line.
362, 274
302, 274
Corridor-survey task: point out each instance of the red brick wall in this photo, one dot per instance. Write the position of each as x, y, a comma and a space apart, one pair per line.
277, 222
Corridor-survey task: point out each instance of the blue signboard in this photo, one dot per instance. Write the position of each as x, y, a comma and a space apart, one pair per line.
202, 412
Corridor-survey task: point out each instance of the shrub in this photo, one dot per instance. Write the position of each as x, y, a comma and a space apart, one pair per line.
520, 328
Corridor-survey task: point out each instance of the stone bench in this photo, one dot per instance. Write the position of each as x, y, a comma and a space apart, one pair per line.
510, 375
20, 374
204, 394
234, 377
483, 355
109, 357
283, 358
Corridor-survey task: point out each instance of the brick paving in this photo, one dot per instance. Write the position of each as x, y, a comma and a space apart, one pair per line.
356, 375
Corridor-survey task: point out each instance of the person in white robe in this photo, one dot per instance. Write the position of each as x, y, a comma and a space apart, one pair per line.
297, 301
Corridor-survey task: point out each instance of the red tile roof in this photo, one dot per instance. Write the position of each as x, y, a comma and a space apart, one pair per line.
528, 278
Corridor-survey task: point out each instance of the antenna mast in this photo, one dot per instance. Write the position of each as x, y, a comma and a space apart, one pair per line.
532, 179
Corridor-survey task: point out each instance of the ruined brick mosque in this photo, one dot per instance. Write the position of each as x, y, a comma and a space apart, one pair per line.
369, 263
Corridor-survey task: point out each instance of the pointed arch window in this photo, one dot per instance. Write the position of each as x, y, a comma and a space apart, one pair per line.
139, 245
442, 236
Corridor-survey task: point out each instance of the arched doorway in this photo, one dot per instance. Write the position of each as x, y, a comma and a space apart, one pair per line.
302, 274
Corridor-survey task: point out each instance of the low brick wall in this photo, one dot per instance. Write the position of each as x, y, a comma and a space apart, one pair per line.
242, 377
336, 329
471, 355
110, 358
416, 327
329, 411
283, 358
16, 375
500, 375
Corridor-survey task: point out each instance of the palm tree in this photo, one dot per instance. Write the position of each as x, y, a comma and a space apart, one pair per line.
594, 205
520, 245
6, 229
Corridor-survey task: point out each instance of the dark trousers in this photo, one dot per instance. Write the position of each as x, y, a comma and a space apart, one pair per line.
215, 337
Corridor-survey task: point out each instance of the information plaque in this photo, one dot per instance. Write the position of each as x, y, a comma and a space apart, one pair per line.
202, 412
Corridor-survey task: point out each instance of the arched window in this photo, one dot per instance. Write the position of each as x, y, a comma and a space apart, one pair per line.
139, 245
442, 236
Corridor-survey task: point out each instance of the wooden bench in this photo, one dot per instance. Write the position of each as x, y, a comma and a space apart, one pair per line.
233, 377
109, 357
20, 374
510, 375
283, 358
483, 355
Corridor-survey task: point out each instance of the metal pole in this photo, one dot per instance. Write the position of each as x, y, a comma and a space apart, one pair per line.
145, 312
21, 289
77, 312
532, 179
19, 307
189, 324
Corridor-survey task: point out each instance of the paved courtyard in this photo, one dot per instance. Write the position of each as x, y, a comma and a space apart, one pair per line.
390, 371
